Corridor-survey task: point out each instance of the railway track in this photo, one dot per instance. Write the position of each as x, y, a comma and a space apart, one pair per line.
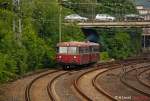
140, 79
76, 82
101, 90
27, 91
124, 80
109, 67
50, 89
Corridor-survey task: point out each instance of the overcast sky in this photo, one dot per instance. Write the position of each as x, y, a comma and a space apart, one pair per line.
146, 3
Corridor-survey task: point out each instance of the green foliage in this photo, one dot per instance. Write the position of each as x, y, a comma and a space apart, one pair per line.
119, 42
7, 67
120, 46
6, 4
34, 47
71, 33
116, 7
90, 8
104, 56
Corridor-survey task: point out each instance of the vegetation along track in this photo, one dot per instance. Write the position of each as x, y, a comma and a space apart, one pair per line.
27, 91
109, 66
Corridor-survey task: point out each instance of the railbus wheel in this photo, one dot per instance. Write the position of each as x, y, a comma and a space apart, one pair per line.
66, 67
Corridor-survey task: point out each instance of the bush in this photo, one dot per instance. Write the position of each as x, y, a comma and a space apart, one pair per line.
7, 67
104, 56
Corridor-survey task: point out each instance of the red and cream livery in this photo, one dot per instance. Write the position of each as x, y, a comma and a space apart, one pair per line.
77, 53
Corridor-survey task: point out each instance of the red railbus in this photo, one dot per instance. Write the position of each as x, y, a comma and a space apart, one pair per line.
77, 53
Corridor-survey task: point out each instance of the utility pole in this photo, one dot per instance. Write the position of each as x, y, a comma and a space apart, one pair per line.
60, 15
93, 9
17, 22
13, 9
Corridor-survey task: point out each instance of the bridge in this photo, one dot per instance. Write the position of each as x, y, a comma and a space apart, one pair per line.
114, 24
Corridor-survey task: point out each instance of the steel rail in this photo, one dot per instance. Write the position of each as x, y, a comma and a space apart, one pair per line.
134, 88
103, 91
76, 86
115, 64
141, 81
49, 86
28, 88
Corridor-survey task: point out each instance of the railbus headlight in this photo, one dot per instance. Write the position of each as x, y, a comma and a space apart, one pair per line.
60, 57
74, 57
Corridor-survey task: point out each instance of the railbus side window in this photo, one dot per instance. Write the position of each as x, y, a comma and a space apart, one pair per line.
92, 49
88, 50
98, 49
84, 50
81, 50
95, 49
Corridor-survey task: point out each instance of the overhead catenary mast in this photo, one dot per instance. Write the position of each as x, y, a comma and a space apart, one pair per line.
17, 22
60, 28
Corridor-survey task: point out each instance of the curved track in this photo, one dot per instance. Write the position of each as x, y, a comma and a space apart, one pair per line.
27, 91
101, 90
141, 79
107, 66
124, 80
76, 82
50, 89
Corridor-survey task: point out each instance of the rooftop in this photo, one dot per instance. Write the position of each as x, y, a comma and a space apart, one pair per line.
75, 43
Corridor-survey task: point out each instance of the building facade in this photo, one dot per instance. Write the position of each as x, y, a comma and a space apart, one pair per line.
145, 12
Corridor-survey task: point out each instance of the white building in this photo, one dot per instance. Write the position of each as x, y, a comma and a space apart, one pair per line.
145, 12
138, 7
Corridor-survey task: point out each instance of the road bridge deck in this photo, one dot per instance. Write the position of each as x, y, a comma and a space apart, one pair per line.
115, 24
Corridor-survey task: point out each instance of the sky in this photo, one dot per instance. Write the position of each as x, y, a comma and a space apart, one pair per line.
146, 3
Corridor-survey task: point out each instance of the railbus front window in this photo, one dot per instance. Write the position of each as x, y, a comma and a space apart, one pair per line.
63, 50
72, 50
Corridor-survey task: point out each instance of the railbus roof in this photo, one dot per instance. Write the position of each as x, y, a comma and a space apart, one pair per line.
76, 43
